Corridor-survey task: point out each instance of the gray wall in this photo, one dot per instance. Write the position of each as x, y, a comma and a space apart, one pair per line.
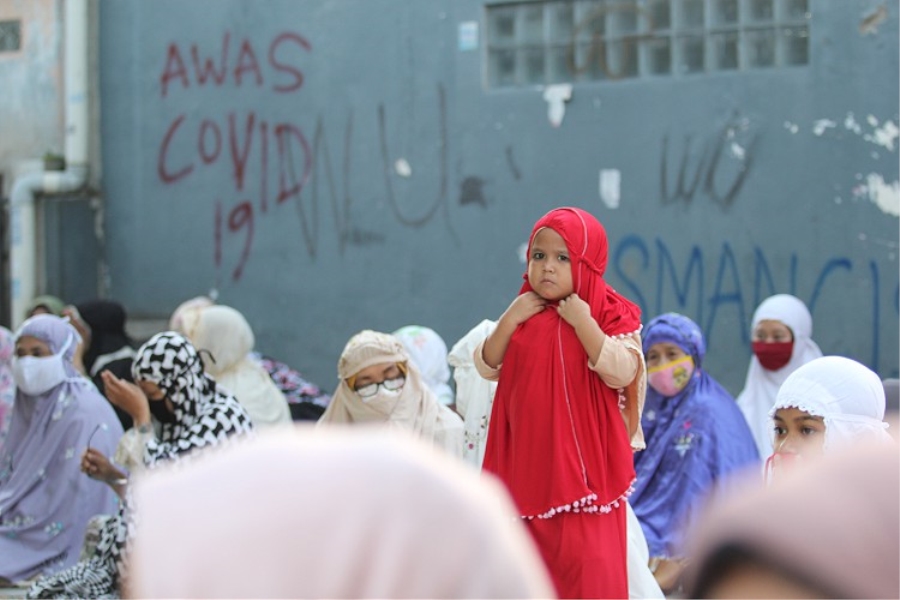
193, 172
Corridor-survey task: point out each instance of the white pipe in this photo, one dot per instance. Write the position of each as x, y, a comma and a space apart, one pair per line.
26, 188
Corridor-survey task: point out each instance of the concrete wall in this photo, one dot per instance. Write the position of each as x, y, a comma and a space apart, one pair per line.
260, 150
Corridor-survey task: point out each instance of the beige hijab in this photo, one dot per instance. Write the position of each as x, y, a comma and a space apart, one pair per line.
833, 527
417, 408
226, 335
306, 513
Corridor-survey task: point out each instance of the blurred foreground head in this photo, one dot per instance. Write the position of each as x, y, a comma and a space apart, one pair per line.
302, 513
831, 530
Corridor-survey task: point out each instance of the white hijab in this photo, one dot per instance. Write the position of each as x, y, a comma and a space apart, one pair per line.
306, 513
762, 385
847, 395
429, 352
227, 336
474, 394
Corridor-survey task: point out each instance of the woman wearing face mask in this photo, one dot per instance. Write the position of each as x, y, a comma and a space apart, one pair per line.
781, 341
828, 403
194, 414
696, 437
380, 385
45, 501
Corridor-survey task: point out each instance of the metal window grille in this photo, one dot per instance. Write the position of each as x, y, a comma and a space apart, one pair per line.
554, 41
10, 36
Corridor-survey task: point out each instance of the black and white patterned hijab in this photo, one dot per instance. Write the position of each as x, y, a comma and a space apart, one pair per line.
204, 413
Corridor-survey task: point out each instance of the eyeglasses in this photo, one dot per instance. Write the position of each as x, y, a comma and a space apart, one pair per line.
391, 385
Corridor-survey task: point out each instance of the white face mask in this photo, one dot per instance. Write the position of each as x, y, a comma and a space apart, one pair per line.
35, 375
384, 401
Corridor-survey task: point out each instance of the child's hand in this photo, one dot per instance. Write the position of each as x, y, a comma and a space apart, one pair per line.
97, 466
574, 310
523, 308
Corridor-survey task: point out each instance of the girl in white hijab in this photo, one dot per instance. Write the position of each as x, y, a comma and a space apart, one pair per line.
379, 384
224, 339
782, 341
828, 403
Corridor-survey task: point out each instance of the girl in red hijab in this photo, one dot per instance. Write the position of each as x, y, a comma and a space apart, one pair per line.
566, 415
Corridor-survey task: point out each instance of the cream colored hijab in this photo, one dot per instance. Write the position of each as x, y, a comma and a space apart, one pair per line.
306, 513
417, 408
226, 335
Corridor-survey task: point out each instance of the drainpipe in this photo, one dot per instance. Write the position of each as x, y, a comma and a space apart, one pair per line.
28, 188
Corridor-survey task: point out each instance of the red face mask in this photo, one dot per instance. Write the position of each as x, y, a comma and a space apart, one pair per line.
773, 356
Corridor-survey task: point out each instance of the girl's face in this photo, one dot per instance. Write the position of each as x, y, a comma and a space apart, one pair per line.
799, 433
549, 267
770, 331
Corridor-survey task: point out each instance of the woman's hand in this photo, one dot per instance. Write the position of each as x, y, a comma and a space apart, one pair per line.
574, 310
96, 466
127, 396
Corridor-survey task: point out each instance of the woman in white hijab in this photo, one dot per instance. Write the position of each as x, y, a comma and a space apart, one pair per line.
224, 339
827, 404
781, 337
379, 384
390, 518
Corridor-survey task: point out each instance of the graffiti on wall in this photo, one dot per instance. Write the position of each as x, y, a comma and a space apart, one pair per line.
706, 285
280, 154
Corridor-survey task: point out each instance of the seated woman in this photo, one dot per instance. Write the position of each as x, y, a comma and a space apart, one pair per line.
107, 346
193, 413
428, 351
379, 384
827, 403
224, 339
696, 437
45, 502
781, 335
306, 401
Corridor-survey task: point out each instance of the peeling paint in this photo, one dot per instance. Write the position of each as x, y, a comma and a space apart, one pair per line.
556, 97
885, 195
883, 136
821, 125
522, 252
792, 127
851, 124
610, 187
402, 168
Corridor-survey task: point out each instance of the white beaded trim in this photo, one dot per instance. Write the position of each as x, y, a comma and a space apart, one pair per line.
585, 505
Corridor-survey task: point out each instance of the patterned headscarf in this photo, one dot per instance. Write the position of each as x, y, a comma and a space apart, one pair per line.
847, 395
205, 416
429, 352
204, 413
7, 384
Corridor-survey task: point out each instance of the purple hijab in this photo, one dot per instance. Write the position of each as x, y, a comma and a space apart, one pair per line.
45, 499
694, 439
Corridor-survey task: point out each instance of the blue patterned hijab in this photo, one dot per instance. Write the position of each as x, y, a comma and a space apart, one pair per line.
694, 439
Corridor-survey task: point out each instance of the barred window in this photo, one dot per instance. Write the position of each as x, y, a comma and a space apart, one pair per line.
10, 36
557, 41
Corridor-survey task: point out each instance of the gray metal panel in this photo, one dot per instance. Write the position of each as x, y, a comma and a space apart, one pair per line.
362, 246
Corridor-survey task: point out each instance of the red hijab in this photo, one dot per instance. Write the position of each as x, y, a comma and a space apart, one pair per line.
556, 436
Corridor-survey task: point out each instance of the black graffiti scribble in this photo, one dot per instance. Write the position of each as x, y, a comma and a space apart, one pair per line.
472, 191
517, 175
705, 172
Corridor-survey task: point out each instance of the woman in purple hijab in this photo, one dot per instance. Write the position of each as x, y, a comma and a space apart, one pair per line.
45, 499
695, 435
